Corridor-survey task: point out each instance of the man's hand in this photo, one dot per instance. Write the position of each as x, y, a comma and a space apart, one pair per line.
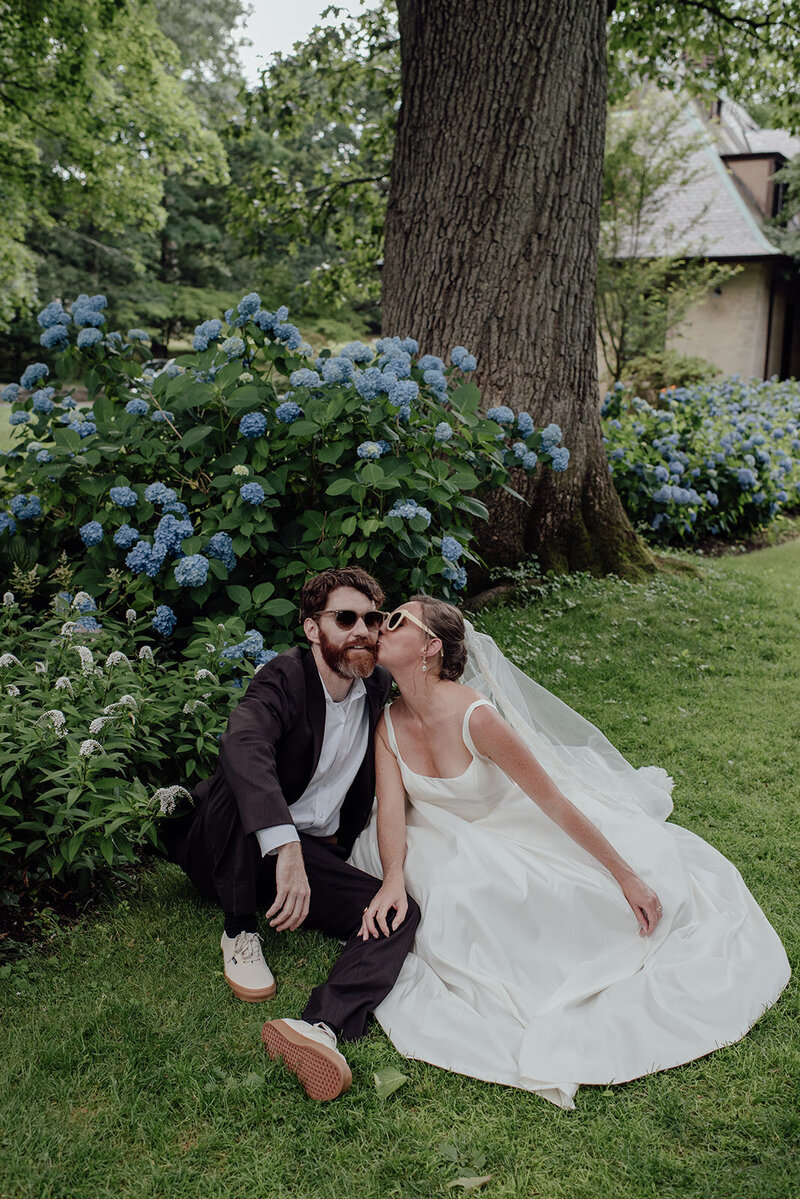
391, 895
292, 890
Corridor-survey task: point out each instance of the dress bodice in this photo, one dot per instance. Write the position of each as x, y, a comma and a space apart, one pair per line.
469, 795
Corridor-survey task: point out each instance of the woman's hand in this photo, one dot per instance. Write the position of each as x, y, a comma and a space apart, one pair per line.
645, 904
391, 895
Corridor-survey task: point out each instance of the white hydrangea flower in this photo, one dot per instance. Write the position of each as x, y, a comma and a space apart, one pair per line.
64, 684
165, 798
89, 747
145, 653
201, 673
40, 667
8, 599
192, 705
130, 615
241, 470
9, 660
12, 690
33, 447
115, 657
86, 657
98, 724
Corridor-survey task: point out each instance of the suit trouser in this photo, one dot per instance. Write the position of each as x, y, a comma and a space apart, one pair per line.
237, 878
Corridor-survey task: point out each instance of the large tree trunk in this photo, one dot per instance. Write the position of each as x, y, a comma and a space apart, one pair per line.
491, 242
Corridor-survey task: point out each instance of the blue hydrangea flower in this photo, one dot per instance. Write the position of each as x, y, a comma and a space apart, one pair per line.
33, 374
206, 332
551, 436
747, 479
357, 351
305, 378
191, 571
369, 383
221, 546
437, 383
7, 524
139, 335
712, 498
443, 431
254, 424
451, 549
160, 415
145, 559
91, 533
530, 460
19, 418
154, 493
525, 423
430, 362
403, 345
57, 337
266, 321
124, 497
88, 310
338, 370
502, 414
249, 305
372, 449
408, 509
661, 473
89, 337
26, 507
53, 314
164, 620
233, 347
83, 428
171, 532
10, 393
69, 402
84, 602
289, 334
456, 575
288, 412
265, 655
90, 623
559, 458
462, 359
404, 391
114, 340
137, 407
44, 456
252, 493
126, 536
43, 400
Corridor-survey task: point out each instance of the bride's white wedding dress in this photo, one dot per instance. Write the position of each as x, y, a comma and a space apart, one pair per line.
527, 968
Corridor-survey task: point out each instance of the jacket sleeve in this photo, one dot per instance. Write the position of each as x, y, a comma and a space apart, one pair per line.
249, 746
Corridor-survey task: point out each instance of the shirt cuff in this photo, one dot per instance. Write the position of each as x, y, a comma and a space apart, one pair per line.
271, 839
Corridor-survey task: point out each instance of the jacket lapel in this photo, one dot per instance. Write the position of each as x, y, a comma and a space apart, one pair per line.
315, 709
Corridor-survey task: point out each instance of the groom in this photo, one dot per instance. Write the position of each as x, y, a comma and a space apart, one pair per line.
274, 824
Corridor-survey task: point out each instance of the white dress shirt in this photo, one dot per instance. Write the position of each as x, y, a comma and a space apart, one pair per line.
344, 744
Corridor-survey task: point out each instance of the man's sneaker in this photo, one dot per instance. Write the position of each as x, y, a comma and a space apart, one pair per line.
309, 1051
246, 972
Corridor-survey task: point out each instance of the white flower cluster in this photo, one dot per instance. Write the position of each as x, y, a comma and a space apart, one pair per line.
99, 723
68, 628
82, 598
40, 667
124, 701
8, 599
89, 747
165, 798
145, 654
130, 615
57, 720
115, 657
64, 684
192, 705
9, 660
12, 690
86, 657
201, 673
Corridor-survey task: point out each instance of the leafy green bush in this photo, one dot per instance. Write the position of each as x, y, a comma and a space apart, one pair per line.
651, 373
721, 458
98, 730
228, 477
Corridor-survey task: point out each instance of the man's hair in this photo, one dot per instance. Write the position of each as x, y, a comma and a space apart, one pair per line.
314, 596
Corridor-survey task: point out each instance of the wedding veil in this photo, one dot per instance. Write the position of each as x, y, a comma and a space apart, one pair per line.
573, 752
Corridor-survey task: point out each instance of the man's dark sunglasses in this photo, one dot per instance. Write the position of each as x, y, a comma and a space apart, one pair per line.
346, 618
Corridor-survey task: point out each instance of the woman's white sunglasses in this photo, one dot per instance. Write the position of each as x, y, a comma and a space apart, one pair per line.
396, 618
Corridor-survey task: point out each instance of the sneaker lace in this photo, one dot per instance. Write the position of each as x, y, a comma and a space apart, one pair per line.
247, 946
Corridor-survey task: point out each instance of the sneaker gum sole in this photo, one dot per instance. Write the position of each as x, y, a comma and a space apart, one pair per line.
320, 1070
248, 994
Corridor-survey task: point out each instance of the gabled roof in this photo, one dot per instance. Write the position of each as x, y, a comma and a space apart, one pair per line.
709, 217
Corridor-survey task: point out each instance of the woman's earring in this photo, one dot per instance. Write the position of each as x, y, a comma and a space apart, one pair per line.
424, 664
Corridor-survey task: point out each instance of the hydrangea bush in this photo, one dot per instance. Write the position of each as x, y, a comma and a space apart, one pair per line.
719, 459
93, 716
221, 481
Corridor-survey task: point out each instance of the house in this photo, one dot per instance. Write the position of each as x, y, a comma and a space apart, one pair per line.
750, 325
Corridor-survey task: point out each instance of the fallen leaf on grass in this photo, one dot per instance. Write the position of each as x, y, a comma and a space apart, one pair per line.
470, 1183
388, 1080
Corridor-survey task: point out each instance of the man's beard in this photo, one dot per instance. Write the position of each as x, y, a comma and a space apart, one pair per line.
343, 662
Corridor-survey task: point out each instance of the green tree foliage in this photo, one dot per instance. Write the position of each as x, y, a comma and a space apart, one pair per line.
641, 293
93, 116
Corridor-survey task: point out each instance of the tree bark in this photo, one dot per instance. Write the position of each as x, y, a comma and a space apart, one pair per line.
491, 242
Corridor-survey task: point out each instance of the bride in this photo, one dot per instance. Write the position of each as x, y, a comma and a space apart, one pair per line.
536, 853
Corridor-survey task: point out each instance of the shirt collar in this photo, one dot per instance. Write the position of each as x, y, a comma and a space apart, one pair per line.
357, 690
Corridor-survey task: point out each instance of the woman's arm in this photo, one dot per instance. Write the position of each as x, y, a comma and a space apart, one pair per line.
496, 740
391, 842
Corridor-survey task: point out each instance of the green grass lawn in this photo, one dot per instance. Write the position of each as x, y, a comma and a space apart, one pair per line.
130, 1070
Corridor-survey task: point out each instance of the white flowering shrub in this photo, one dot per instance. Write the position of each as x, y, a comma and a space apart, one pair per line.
99, 735
718, 459
220, 482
